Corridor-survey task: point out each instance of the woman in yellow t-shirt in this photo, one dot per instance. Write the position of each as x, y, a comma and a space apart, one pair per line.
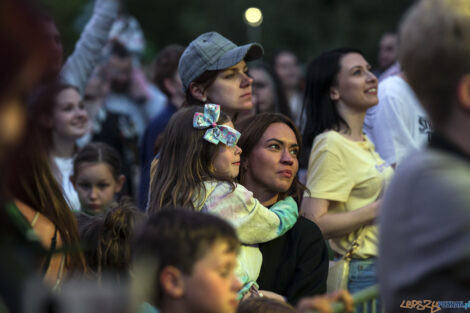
346, 177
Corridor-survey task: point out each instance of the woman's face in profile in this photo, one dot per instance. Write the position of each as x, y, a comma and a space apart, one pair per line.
357, 85
232, 89
273, 163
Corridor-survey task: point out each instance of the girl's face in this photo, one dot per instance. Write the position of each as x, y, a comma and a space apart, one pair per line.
96, 186
357, 86
227, 160
263, 90
70, 119
272, 164
231, 89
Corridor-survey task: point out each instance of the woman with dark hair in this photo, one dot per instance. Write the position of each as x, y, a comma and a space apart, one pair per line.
268, 93
61, 118
295, 265
346, 177
199, 163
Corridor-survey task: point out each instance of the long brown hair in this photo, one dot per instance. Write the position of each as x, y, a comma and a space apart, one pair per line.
252, 130
29, 178
108, 238
185, 162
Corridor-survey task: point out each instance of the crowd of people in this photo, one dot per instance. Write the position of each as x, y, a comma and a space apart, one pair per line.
218, 182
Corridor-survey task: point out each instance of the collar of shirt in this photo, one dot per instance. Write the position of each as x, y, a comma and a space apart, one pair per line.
441, 142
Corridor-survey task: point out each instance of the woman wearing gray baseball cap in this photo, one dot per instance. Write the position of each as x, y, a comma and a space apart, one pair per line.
213, 70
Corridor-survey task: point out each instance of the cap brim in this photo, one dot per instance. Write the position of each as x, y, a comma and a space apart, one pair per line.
247, 52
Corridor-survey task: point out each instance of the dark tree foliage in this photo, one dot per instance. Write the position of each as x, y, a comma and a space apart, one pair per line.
305, 26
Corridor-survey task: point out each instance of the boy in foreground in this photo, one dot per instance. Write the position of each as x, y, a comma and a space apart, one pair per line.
189, 258
194, 256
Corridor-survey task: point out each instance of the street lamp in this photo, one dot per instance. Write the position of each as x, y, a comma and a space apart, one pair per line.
253, 17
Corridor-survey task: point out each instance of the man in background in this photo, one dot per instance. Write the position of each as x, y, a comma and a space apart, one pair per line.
425, 219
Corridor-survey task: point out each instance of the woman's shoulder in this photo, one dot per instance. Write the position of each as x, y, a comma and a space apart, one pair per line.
305, 227
333, 141
330, 136
328, 141
42, 225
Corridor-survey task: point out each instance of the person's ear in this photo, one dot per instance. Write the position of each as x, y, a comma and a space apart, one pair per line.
198, 92
463, 93
120, 183
334, 93
172, 282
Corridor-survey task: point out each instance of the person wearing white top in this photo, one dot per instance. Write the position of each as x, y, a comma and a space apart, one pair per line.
62, 120
398, 125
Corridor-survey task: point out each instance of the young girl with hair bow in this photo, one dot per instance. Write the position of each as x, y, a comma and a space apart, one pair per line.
198, 162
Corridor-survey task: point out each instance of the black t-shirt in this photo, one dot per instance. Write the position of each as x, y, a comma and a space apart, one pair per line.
295, 265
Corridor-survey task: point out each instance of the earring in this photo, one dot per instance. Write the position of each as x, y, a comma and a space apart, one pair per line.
245, 166
204, 99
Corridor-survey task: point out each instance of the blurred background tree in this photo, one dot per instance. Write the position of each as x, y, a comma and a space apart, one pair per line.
305, 26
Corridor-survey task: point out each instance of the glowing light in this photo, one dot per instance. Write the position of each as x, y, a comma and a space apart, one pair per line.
253, 17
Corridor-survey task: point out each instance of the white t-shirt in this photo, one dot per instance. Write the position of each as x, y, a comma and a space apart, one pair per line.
295, 106
398, 124
65, 167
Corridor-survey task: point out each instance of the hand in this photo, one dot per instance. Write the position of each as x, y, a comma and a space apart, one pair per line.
323, 303
272, 295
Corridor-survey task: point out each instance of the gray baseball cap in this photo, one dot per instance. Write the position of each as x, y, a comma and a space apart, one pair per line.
212, 51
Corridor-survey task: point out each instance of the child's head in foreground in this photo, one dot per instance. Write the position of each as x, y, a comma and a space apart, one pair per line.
264, 305
107, 238
195, 255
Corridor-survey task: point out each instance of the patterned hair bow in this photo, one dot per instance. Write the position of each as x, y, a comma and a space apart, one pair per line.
216, 133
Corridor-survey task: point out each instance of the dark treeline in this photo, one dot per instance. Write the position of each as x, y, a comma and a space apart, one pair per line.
305, 26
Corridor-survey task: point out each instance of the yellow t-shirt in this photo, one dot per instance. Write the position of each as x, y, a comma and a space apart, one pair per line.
351, 175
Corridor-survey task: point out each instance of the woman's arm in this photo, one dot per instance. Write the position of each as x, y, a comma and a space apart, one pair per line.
45, 230
79, 66
337, 224
55, 272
